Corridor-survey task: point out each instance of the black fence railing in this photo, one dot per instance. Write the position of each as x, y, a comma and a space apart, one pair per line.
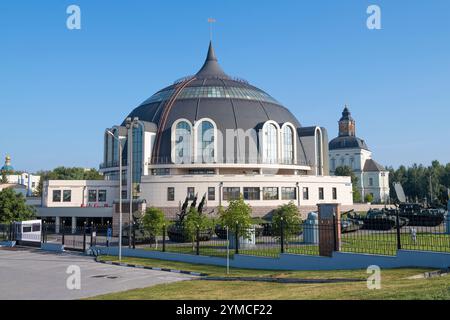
383, 235
387, 234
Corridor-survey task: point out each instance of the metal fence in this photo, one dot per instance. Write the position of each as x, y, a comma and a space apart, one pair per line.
388, 234
382, 235
379, 235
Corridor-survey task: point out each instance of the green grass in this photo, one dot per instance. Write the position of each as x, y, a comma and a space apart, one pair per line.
395, 285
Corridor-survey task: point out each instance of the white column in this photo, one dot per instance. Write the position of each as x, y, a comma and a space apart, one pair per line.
57, 224
74, 224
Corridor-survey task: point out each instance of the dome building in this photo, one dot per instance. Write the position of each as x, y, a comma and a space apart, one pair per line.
215, 135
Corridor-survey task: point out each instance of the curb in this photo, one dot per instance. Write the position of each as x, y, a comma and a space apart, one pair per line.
129, 265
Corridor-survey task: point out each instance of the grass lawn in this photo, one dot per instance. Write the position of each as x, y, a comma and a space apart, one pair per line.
395, 285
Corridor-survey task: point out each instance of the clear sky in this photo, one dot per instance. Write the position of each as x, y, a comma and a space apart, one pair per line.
60, 88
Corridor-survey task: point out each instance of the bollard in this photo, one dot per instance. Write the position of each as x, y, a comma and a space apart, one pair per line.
311, 229
84, 237
63, 232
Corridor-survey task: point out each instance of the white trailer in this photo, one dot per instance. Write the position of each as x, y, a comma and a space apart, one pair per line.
28, 231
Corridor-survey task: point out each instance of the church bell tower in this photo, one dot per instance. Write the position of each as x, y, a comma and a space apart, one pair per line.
347, 124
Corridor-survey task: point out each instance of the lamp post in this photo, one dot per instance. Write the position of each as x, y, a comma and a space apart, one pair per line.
120, 192
131, 124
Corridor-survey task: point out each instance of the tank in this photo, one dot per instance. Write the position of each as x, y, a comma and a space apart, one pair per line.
420, 216
384, 219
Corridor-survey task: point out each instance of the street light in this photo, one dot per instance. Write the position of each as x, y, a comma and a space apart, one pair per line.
120, 191
131, 124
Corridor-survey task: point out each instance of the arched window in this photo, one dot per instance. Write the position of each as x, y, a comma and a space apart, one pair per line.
270, 147
183, 138
205, 142
288, 145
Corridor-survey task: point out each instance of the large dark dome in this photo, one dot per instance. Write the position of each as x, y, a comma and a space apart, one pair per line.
231, 103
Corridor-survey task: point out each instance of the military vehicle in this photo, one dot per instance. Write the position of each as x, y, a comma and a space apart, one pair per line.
349, 223
420, 216
383, 219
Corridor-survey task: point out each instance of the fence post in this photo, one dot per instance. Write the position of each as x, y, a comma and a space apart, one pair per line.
10, 231
164, 239
236, 239
84, 236
92, 233
42, 232
397, 222
134, 235
63, 232
198, 241
282, 234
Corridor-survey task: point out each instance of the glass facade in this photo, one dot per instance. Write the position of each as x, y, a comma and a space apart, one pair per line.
288, 145
214, 92
137, 154
183, 138
319, 153
270, 147
205, 142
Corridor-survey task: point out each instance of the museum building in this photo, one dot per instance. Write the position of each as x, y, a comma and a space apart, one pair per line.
214, 136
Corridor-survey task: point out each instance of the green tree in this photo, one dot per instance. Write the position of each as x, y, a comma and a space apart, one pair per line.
368, 198
237, 217
153, 223
346, 171
4, 178
64, 173
196, 221
13, 207
287, 217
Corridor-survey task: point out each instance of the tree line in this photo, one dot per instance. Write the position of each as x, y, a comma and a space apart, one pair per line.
422, 184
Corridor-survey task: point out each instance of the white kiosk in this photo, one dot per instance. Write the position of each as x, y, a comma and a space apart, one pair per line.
28, 231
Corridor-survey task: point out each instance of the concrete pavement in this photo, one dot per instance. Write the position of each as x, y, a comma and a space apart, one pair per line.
31, 274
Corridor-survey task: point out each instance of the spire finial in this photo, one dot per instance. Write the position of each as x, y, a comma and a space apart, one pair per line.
211, 68
211, 21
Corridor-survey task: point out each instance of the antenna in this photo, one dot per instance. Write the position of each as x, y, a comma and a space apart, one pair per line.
211, 21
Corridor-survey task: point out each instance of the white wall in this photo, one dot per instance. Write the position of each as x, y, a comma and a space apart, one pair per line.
80, 190
154, 188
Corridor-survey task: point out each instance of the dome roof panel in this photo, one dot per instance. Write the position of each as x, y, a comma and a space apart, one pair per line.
230, 102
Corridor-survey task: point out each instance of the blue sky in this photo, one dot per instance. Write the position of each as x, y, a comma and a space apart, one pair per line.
59, 89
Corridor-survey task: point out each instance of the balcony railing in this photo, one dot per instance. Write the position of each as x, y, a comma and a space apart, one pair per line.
113, 164
230, 160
